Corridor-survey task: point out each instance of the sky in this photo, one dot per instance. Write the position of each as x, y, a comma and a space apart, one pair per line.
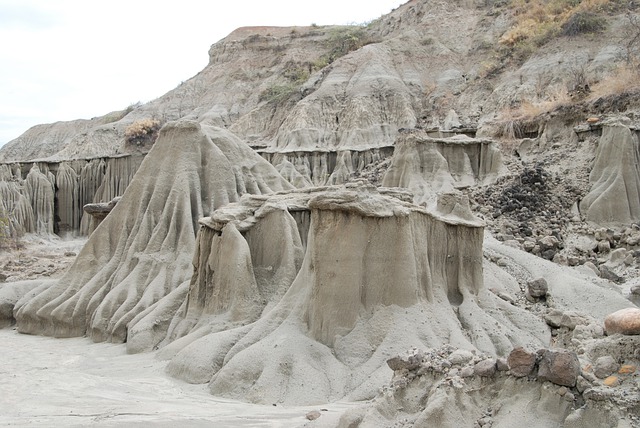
73, 59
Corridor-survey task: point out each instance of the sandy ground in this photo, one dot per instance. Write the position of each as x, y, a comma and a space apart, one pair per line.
75, 382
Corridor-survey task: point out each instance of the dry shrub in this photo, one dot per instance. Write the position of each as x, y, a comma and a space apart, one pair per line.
538, 21
142, 131
625, 78
518, 122
515, 123
557, 96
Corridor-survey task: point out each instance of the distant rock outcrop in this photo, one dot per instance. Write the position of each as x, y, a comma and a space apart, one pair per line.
49, 198
322, 167
427, 165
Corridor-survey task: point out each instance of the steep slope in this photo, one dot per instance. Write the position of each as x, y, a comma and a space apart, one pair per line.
309, 88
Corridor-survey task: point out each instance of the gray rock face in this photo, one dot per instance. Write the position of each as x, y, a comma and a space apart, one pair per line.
427, 165
40, 190
42, 141
255, 247
51, 196
521, 362
323, 167
559, 366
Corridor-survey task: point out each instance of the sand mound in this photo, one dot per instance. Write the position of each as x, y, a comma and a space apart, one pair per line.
143, 250
378, 275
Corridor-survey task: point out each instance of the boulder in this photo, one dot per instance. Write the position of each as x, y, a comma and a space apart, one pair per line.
313, 415
625, 321
607, 273
485, 368
569, 319
409, 363
605, 366
538, 287
559, 366
460, 357
521, 362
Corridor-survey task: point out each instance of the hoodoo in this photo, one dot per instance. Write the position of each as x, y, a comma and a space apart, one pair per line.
142, 251
437, 212
377, 275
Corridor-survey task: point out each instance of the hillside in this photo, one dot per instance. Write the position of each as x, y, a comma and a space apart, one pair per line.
315, 88
435, 214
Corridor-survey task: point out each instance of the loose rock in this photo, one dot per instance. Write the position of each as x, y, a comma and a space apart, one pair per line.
313, 415
559, 366
612, 381
625, 321
467, 371
460, 357
538, 287
521, 362
502, 364
605, 366
485, 368
607, 273
627, 369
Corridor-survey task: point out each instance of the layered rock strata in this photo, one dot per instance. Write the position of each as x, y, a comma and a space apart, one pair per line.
320, 168
427, 165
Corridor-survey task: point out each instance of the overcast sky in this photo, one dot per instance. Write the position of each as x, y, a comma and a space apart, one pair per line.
71, 59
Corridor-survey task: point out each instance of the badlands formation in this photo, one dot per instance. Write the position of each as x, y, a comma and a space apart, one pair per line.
339, 213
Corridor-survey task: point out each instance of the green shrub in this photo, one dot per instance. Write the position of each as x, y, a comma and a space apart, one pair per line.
583, 22
343, 40
340, 41
279, 93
